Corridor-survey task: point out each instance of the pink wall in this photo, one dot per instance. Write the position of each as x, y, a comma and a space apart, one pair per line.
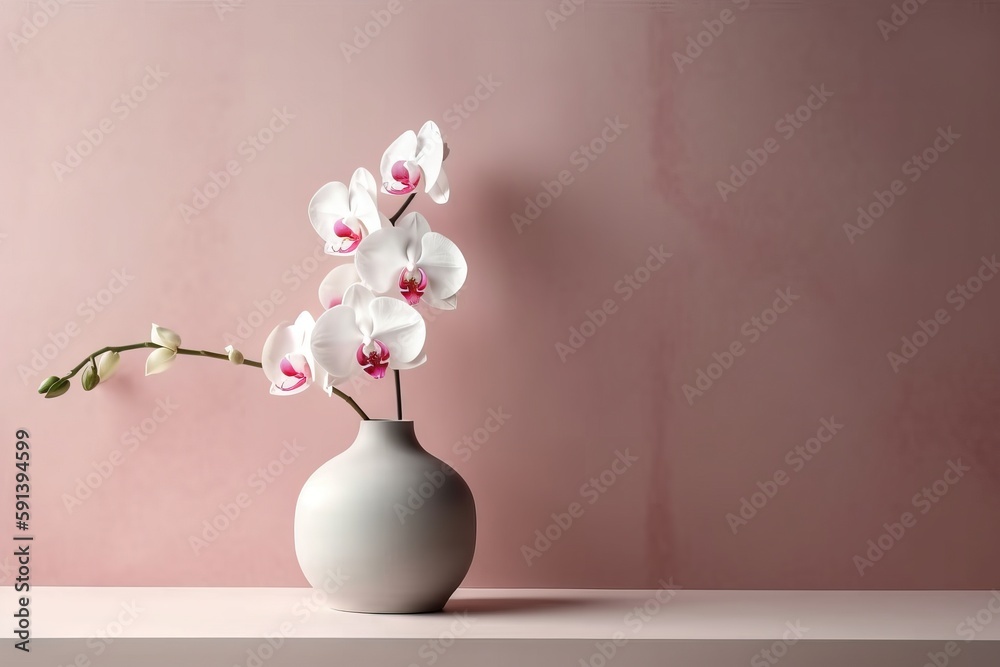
623, 390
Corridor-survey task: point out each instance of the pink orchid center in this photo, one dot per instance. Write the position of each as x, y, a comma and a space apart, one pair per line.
406, 178
374, 358
296, 369
349, 237
412, 285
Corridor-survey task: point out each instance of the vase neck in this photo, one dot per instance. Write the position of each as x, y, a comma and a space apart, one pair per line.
386, 434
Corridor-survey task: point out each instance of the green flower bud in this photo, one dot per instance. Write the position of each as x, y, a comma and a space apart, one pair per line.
90, 378
58, 389
47, 384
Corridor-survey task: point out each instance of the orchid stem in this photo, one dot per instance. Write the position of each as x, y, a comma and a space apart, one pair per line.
395, 373
216, 355
402, 208
399, 397
351, 402
91, 359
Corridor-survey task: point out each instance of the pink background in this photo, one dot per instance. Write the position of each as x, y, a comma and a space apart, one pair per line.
666, 516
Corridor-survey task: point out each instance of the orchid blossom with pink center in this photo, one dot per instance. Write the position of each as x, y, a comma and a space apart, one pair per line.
414, 160
296, 368
375, 360
368, 334
412, 285
343, 215
412, 261
287, 360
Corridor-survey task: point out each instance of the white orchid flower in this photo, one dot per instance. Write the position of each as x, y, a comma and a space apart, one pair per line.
414, 262
334, 286
286, 359
415, 160
343, 215
368, 333
162, 357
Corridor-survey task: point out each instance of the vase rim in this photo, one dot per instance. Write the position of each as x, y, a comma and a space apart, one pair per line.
391, 421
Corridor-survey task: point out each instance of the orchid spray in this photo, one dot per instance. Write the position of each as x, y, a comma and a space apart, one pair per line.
369, 323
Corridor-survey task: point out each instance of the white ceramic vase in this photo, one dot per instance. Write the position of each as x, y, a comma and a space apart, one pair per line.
385, 527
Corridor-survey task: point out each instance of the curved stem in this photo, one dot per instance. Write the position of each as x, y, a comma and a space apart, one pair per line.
110, 348
215, 355
351, 402
92, 359
402, 208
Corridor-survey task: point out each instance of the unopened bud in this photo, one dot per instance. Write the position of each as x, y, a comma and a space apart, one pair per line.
58, 388
90, 378
107, 364
47, 384
235, 355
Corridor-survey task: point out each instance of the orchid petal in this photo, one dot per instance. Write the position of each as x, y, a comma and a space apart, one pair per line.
445, 265
287, 369
430, 153
335, 341
419, 361
377, 371
406, 173
415, 225
334, 286
160, 360
359, 298
364, 201
451, 303
343, 231
305, 323
441, 190
165, 337
400, 327
362, 182
298, 374
381, 257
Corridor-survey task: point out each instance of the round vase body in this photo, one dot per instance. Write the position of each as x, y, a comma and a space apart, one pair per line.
385, 527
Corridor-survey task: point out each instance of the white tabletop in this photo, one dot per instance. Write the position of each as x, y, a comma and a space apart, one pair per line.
143, 613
